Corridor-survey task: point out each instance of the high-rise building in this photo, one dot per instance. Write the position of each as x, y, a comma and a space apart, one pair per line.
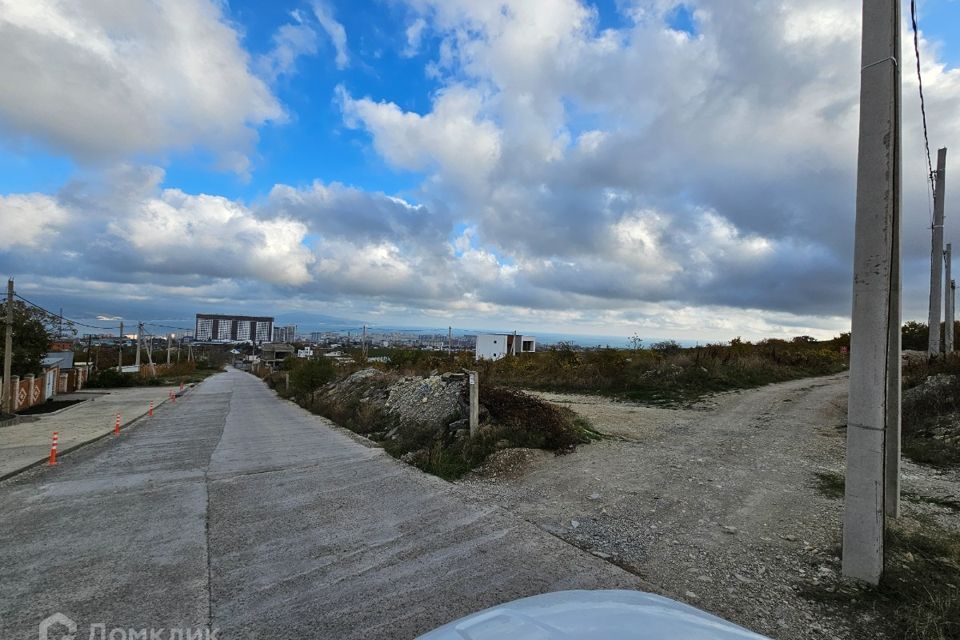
285, 334
223, 328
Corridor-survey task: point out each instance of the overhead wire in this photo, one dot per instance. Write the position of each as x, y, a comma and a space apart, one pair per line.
923, 107
61, 316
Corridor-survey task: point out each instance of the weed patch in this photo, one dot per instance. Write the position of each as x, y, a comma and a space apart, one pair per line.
919, 595
931, 412
830, 484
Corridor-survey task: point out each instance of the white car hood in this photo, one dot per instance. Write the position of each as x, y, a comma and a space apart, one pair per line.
605, 615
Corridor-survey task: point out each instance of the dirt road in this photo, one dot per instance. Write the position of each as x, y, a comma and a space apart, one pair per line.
717, 505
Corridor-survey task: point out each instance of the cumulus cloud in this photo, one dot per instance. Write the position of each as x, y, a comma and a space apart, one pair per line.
637, 178
107, 81
649, 164
456, 139
30, 220
180, 233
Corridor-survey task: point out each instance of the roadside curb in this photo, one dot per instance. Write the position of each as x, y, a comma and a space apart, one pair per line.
63, 452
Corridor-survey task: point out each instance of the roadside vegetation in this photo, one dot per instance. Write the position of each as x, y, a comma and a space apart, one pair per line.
663, 373
931, 410
424, 420
666, 373
185, 372
919, 594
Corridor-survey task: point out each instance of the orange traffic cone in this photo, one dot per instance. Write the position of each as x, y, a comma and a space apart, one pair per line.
53, 448
150, 412
116, 427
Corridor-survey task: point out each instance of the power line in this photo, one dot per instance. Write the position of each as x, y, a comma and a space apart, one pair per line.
59, 315
923, 106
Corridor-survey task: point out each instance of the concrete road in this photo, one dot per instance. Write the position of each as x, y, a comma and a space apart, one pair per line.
27, 443
238, 511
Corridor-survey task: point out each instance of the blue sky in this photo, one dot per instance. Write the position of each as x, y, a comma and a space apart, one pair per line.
483, 164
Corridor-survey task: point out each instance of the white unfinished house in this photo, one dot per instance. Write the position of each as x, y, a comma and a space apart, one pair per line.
493, 346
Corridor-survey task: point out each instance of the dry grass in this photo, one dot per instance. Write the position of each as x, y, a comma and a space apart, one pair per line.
664, 374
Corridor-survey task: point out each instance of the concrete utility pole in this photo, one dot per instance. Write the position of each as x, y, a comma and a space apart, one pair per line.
136, 360
120, 349
169, 347
149, 345
450, 341
6, 392
473, 381
947, 307
873, 415
363, 343
951, 316
936, 255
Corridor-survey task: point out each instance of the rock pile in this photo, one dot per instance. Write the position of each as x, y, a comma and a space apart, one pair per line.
385, 406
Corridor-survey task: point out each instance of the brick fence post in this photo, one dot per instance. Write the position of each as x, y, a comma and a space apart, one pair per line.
15, 390
31, 383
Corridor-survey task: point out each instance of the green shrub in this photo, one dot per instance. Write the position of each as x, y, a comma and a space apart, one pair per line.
306, 376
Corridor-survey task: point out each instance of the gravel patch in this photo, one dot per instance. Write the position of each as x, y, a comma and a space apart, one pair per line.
715, 504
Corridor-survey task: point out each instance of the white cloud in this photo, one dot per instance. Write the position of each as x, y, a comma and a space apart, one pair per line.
30, 220
456, 138
290, 42
104, 81
574, 177
181, 233
334, 30
414, 35
649, 164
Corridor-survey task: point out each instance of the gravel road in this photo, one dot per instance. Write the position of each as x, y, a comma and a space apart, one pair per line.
716, 504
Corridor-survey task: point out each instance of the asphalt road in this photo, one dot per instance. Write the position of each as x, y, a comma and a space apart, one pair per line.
237, 511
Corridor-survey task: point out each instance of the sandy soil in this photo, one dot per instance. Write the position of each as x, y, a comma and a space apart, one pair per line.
716, 504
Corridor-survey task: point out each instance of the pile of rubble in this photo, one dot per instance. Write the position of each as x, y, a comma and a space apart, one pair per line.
401, 405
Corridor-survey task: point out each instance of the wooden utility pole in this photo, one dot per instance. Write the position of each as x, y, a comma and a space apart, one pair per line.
6, 392
947, 297
936, 255
873, 414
